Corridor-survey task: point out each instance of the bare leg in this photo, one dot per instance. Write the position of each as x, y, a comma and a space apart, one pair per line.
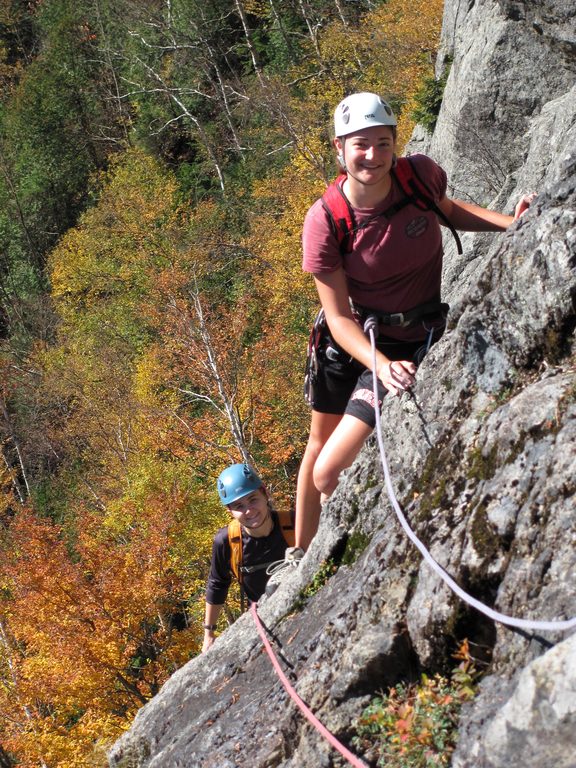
338, 453
307, 495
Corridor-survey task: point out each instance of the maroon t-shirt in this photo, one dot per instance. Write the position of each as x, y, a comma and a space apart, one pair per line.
396, 263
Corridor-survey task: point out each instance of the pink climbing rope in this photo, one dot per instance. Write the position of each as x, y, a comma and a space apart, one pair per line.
308, 714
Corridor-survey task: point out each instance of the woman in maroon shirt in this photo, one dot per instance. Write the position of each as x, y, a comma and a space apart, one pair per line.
394, 266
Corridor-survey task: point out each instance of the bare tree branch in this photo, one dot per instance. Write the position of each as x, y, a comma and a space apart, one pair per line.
226, 398
12, 437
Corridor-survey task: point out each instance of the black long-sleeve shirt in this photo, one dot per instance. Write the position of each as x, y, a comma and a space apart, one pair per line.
256, 550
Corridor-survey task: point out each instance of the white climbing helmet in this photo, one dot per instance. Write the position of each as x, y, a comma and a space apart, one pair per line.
361, 110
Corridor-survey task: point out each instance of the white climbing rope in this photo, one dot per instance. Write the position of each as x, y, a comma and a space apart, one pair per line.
526, 624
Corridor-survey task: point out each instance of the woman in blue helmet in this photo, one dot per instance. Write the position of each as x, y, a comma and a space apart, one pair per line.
259, 542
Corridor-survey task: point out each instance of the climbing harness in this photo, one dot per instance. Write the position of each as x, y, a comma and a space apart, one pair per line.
308, 714
341, 214
423, 313
526, 624
311, 371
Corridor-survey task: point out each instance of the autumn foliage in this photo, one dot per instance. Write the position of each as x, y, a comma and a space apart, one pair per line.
158, 330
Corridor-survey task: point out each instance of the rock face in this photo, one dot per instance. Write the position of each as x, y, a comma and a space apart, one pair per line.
482, 459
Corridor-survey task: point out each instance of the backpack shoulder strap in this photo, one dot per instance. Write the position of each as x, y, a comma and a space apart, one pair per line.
405, 175
419, 194
235, 541
339, 213
286, 519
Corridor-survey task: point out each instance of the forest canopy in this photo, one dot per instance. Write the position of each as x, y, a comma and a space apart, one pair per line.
157, 160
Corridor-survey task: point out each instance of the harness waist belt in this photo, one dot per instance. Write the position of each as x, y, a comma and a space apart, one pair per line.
404, 319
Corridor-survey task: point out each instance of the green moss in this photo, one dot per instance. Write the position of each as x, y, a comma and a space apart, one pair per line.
435, 499
516, 449
356, 544
482, 467
327, 569
431, 487
430, 467
505, 395
486, 542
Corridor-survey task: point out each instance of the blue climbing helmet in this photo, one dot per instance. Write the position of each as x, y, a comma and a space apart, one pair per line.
236, 481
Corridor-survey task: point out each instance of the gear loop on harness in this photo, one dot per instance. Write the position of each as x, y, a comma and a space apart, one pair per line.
321, 343
311, 372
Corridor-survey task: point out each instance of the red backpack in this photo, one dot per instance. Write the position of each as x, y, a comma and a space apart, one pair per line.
416, 193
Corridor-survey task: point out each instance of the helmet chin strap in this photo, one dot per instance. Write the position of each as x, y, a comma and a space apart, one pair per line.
340, 155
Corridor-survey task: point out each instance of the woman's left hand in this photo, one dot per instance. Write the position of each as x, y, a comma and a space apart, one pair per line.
523, 204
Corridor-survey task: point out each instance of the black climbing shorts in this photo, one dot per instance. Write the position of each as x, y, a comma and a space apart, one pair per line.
342, 385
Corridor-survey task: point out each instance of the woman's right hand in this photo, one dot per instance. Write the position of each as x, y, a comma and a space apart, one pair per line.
397, 375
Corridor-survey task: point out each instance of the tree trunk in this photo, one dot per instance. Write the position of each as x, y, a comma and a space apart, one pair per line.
247, 35
5, 759
226, 398
22, 492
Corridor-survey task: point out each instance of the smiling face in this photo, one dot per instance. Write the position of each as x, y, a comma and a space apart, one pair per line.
368, 154
253, 513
